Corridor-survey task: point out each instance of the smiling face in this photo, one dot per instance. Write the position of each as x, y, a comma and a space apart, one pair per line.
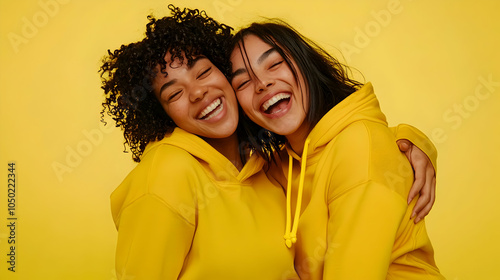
197, 97
269, 93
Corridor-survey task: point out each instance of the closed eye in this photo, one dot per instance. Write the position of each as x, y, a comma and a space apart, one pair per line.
174, 95
276, 64
204, 73
242, 84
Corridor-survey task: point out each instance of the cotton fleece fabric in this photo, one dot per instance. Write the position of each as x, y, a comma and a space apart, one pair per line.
185, 212
355, 221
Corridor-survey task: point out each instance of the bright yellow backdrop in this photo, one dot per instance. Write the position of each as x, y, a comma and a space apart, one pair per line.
434, 64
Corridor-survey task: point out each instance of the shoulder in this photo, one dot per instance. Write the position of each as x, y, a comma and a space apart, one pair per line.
361, 141
168, 173
165, 155
163, 164
367, 151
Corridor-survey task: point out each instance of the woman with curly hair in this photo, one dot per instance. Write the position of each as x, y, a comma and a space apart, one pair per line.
347, 178
190, 209
198, 205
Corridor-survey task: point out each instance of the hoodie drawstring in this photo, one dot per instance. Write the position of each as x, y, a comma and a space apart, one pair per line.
291, 235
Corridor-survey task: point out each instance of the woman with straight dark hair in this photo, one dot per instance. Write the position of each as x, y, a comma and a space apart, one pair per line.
346, 179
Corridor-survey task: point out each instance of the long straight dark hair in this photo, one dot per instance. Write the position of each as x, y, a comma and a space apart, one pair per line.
326, 79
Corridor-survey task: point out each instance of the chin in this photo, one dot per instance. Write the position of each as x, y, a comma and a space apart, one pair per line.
283, 130
227, 132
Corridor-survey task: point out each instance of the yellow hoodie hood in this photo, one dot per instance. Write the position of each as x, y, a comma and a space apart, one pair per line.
214, 164
360, 105
213, 161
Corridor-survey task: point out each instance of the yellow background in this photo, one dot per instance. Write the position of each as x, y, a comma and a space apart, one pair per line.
434, 64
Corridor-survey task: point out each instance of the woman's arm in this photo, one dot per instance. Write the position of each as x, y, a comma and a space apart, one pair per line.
153, 240
155, 232
425, 179
422, 155
362, 230
366, 203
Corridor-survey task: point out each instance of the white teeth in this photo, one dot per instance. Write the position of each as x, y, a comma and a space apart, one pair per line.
274, 99
210, 108
216, 112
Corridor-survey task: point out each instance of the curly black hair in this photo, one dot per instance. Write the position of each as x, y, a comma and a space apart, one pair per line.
127, 73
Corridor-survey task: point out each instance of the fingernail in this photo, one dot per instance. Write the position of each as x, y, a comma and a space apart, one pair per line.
417, 220
412, 215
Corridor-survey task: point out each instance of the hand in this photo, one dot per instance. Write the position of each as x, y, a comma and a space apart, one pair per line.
425, 179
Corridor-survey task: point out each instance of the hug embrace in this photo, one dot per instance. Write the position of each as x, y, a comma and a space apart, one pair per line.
260, 158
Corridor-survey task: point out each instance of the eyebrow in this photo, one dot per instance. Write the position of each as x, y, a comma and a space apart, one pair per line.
261, 58
189, 65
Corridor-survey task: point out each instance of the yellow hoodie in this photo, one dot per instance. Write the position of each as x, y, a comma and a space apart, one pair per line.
352, 183
185, 212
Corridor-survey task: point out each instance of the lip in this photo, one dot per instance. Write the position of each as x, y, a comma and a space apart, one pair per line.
282, 111
219, 115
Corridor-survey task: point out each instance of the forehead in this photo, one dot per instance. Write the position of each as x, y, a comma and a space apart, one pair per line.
255, 41
252, 51
252, 45
175, 69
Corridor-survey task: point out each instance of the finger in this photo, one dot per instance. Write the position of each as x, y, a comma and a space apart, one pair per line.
404, 145
417, 186
433, 184
422, 202
425, 192
433, 194
428, 190
420, 179
422, 214
425, 211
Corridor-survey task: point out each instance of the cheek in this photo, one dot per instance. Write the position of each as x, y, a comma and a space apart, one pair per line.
166, 109
220, 80
244, 101
176, 111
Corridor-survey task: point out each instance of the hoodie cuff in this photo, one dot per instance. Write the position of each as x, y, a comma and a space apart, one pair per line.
419, 139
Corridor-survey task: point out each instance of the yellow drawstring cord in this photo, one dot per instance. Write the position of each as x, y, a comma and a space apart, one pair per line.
287, 236
291, 236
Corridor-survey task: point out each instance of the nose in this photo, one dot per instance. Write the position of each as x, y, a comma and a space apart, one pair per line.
262, 85
197, 93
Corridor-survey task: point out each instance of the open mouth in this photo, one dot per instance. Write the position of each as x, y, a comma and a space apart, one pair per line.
212, 110
276, 103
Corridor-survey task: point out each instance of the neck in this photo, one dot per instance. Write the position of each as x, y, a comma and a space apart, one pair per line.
298, 138
228, 147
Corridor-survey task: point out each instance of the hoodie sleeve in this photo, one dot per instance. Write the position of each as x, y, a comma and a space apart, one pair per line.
361, 232
366, 202
418, 138
153, 240
155, 216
